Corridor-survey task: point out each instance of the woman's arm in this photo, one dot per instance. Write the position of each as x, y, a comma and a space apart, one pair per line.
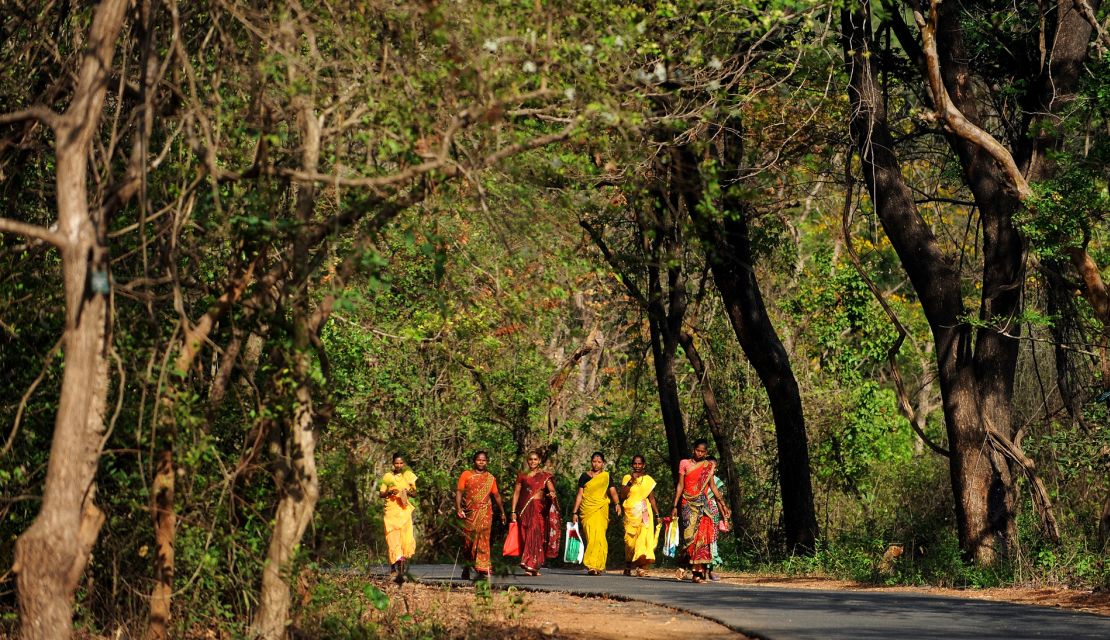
516, 496
577, 503
458, 503
616, 500
627, 487
385, 490
678, 492
720, 500
500, 506
654, 506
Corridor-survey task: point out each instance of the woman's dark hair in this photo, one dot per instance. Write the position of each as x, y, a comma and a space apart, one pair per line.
535, 452
597, 454
642, 459
474, 458
700, 442
396, 455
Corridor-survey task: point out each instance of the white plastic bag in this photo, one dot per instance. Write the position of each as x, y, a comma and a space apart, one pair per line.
574, 547
670, 539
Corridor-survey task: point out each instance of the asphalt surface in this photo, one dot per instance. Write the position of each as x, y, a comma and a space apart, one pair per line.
775, 613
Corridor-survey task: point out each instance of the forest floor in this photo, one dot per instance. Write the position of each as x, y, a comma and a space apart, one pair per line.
1060, 597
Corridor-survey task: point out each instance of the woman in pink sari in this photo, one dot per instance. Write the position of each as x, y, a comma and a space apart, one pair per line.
699, 532
537, 516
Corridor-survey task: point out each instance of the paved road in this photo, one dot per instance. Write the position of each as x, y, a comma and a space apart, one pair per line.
774, 613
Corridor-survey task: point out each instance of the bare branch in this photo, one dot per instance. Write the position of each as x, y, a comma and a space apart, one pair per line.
904, 403
27, 395
1102, 40
34, 231
42, 113
951, 115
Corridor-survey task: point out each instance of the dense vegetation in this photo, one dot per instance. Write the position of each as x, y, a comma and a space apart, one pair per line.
249, 249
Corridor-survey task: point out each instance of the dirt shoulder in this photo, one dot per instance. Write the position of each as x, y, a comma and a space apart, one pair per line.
418, 610
1059, 597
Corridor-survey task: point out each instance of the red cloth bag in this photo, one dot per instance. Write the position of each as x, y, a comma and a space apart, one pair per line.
512, 541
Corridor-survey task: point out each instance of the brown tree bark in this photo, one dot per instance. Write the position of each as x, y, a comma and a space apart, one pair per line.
975, 369
729, 252
294, 446
51, 555
716, 427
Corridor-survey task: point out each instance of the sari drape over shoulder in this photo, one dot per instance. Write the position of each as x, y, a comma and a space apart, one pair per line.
398, 515
698, 531
477, 488
538, 521
639, 533
595, 519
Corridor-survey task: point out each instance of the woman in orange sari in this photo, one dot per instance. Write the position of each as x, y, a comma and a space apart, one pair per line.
537, 517
699, 532
474, 506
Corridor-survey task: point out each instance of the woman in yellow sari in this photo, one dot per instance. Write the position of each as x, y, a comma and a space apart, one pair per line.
595, 491
396, 488
640, 509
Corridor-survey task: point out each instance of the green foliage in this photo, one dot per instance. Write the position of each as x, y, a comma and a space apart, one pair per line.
1062, 212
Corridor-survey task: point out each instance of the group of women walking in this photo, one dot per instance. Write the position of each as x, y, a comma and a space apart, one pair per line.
534, 512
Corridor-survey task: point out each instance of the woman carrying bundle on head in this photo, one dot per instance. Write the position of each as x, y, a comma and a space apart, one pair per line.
640, 509
539, 530
473, 504
595, 491
695, 484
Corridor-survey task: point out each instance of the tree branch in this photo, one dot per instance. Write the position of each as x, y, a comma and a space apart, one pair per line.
951, 115
42, 113
33, 231
633, 290
1102, 40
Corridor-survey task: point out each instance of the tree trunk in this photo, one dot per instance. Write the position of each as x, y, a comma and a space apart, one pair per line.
295, 473
51, 555
982, 482
717, 428
663, 350
731, 262
299, 489
165, 528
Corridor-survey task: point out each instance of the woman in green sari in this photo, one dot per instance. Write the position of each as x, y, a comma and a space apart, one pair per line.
595, 491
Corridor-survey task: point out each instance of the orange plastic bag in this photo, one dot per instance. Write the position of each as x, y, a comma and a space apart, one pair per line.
512, 541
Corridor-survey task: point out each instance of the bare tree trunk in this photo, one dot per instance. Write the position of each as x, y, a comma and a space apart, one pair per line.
663, 348
51, 555
729, 252
165, 530
716, 427
295, 473
976, 372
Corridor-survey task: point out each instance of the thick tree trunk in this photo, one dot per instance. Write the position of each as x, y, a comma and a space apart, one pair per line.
663, 350
976, 383
731, 262
299, 489
51, 555
729, 252
717, 428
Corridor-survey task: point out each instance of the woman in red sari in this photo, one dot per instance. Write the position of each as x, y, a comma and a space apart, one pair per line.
537, 516
473, 504
695, 483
